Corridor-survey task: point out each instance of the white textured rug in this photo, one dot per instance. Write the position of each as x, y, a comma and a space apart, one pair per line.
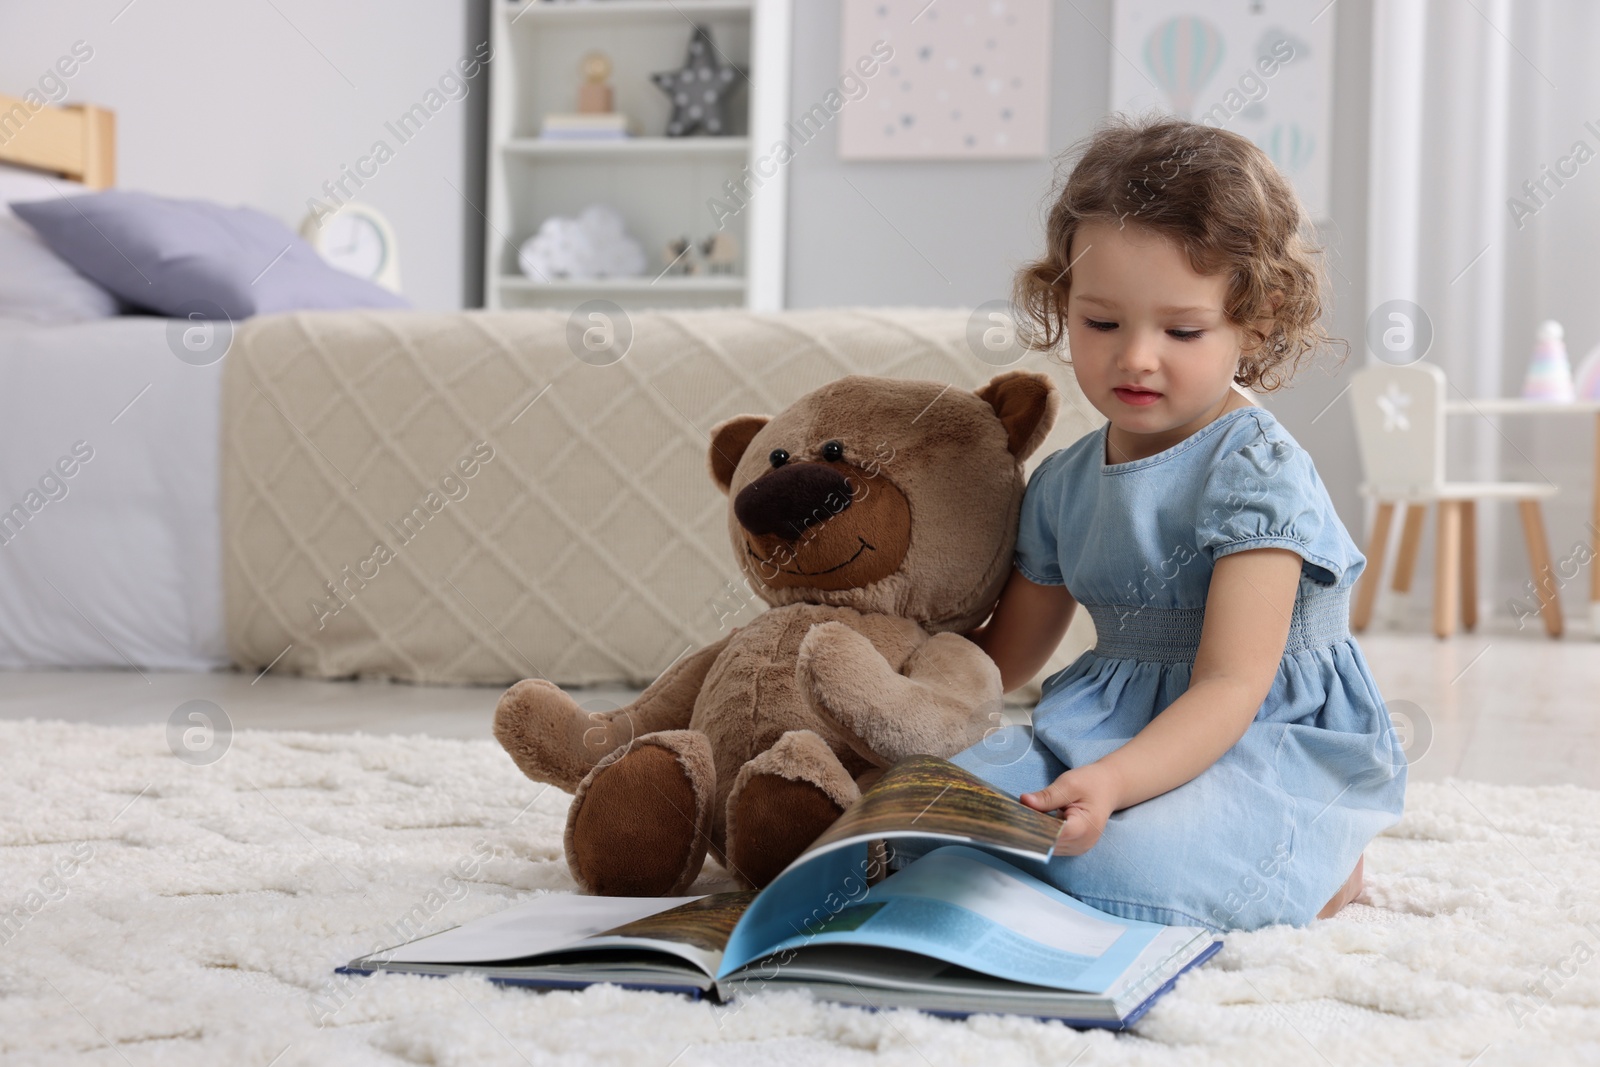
164, 913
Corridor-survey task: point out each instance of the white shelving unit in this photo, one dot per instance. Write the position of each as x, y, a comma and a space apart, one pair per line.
660, 185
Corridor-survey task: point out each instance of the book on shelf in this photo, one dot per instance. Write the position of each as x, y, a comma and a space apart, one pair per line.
587, 126
924, 894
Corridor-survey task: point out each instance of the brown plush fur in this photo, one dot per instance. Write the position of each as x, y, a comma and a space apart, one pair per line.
874, 562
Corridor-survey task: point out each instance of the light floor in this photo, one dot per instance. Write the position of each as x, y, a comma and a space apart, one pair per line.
1498, 706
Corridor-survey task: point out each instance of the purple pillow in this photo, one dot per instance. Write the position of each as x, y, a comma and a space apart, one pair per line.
183, 258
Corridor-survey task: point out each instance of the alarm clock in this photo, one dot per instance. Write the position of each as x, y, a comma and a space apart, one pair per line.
356, 239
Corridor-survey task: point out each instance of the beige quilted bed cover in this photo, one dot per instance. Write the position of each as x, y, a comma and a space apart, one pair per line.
455, 498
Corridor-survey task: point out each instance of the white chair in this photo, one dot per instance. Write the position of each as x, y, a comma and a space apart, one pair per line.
1400, 435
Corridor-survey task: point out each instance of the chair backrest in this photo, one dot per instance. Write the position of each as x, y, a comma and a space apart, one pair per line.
1400, 427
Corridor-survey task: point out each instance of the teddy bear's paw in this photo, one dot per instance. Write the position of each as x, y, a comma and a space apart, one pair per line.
844, 677
639, 824
782, 801
551, 738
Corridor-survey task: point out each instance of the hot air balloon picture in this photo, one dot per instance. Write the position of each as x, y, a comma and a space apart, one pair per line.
1289, 146
1181, 55
1261, 69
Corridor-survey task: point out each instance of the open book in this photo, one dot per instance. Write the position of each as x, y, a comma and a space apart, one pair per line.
923, 894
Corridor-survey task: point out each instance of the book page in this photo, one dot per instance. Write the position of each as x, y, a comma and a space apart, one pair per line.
547, 923
697, 930
923, 798
931, 797
965, 907
973, 881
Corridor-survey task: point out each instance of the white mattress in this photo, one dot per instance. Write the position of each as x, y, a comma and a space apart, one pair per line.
125, 568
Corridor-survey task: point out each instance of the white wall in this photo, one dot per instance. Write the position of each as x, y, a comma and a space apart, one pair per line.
951, 234
259, 103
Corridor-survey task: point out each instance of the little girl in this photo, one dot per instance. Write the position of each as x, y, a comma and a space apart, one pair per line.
1222, 755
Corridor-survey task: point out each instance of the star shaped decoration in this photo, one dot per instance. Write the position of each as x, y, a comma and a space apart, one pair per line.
1393, 403
699, 89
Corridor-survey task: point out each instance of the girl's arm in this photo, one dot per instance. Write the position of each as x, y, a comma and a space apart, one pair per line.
1028, 623
1248, 605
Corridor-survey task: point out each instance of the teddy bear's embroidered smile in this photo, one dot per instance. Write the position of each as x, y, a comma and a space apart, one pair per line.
826, 570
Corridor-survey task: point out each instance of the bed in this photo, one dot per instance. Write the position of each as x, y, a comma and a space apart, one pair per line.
161, 512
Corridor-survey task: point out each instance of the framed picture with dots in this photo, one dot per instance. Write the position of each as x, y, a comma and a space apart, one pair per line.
952, 79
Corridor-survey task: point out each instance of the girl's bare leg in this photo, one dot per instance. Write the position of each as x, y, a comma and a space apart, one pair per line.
1347, 892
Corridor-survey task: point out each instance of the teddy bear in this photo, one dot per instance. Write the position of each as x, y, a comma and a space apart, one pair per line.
876, 518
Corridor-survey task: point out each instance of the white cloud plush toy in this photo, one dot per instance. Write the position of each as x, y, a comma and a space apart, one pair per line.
596, 244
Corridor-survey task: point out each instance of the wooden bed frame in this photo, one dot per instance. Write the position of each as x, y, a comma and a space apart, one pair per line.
77, 142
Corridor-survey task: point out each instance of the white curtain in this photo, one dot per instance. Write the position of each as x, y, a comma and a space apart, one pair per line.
1470, 100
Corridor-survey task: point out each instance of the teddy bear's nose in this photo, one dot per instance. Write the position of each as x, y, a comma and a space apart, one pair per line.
787, 500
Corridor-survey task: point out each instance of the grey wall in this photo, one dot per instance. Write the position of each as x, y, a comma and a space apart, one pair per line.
951, 234
258, 104
946, 234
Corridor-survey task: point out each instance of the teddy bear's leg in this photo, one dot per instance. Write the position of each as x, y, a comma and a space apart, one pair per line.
553, 740
943, 699
782, 801
639, 823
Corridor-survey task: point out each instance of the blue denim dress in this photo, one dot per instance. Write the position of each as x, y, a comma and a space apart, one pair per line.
1269, 832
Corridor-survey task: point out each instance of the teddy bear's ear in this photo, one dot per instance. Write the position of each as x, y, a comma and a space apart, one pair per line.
1026, 402
729, 439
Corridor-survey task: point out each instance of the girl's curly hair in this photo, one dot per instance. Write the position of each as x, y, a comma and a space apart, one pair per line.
1219, 199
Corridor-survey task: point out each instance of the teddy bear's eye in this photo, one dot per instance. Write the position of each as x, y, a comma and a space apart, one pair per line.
833, 451
778, 457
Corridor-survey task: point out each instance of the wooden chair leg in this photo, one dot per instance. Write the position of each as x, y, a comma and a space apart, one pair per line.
1372, 577
1405, 564
1469, 565
1544, 577
1446, 568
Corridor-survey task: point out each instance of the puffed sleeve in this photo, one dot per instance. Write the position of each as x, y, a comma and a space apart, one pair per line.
1036, 556
1267, 494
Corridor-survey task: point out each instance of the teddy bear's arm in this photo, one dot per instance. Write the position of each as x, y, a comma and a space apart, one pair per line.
943, 699
553, 739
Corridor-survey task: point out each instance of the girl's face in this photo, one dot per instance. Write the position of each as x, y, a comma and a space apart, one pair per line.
1147, 338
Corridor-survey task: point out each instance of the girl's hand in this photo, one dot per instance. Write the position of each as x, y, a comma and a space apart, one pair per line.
1086, 797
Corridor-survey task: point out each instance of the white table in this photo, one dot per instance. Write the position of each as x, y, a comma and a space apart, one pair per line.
1518, 406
